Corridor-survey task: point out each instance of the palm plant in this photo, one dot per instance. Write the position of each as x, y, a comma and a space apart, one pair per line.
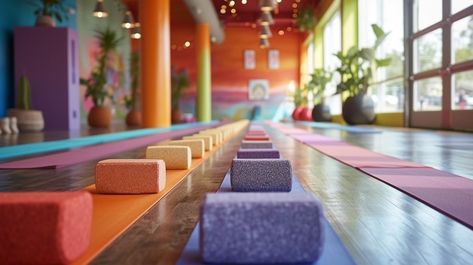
131, 101
306, 19
179, 82
95, 84
52, 8
319, 80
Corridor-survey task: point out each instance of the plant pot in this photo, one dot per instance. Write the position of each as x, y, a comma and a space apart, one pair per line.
296, 113
45, 21
305, 114
321, 112
100, 117
133, 118
28, 120
359, 110
176, 116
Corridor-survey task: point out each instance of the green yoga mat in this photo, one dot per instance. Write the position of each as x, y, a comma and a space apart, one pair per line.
9, 152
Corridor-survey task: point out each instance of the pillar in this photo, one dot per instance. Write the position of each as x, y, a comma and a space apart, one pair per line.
155, 63
204, 97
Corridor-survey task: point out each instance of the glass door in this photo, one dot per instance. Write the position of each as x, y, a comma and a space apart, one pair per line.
440, 63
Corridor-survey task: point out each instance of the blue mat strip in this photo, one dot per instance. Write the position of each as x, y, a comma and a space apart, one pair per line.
336, 126
8, 152
334, 252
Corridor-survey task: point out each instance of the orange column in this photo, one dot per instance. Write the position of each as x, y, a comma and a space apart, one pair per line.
155, 62
204, 97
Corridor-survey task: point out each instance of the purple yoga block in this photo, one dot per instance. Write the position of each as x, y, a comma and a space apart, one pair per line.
256, 145
261, 175
257, 153
261, 228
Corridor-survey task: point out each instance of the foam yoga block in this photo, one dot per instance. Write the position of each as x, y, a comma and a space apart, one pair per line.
216, 137
130, 176
256, 145
196, 146
258, 153
261, 175
256, 132
256, 138
265, 228
208, 142
174, 157
44, 227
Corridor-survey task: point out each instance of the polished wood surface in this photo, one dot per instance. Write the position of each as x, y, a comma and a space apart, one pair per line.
377, 223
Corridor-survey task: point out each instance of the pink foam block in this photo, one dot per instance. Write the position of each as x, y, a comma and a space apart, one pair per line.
44, 227
130, 176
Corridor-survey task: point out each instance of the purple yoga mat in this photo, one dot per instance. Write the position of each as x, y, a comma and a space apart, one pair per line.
445, 192
80, 155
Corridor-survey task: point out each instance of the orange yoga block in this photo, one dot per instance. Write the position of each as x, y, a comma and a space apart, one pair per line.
130, 176
44, 227
256, 138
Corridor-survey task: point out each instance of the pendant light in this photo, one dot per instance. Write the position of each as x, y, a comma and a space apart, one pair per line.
128, 22
263, 43
265, 32
99, 10
136, 32
267, 5
266, 18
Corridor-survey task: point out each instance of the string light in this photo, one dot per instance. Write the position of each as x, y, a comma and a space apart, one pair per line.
187, 44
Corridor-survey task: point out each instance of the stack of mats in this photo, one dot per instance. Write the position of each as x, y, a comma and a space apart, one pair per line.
261, 220
73, 227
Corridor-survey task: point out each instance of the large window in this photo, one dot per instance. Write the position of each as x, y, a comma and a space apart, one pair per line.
332, 45
388, 88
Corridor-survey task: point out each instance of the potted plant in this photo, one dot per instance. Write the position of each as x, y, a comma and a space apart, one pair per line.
100, 116
133, 118
319, 80
356, 74
28, 120
305, 19
179, 82
48, 11
299, 97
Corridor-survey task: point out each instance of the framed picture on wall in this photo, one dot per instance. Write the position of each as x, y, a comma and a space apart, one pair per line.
249, 59
273, 59
258, 89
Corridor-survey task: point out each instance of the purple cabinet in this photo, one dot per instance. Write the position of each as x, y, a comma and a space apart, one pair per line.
49, 58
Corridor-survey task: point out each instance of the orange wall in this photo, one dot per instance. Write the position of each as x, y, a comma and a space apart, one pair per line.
229, 78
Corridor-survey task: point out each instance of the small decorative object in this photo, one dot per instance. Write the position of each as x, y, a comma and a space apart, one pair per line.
319, 80
50, 10
306, 19
179, 82
249, 59
133, 118
27, 119
100, 116
258, 89
356, 72
300, 99
273, 59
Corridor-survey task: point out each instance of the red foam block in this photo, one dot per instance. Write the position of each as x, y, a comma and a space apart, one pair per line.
44, 227
256, 138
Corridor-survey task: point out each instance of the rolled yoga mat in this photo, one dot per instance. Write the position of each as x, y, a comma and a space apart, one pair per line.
334, 252
175, 157
261, 175
130, 176
255, 228
258, 153
44, 227
93, 152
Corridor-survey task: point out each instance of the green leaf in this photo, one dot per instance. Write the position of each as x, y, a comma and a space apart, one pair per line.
378, 31
383, 62
367, 54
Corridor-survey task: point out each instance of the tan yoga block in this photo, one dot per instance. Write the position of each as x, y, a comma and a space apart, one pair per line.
130, 176
175, 157
196, 146
216, 137
208, 143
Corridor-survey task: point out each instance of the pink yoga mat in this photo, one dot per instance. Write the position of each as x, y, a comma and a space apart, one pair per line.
75, 156
445, 192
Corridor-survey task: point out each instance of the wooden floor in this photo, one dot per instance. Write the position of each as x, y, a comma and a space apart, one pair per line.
377, 223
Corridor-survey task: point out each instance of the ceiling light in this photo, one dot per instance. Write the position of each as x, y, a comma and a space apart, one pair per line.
294, 5
267, 5
136, 32
279, 1
99, 10
263, 43
187, 44
233, 10
128, 22
244, 2
281, 32
288, 29
223, 11
266, 18
266, 32
232, 3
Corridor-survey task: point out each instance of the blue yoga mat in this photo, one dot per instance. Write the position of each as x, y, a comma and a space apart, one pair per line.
334, 252
336, 126
9, 152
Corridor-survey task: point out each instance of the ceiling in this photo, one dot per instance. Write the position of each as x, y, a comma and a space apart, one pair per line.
248, 14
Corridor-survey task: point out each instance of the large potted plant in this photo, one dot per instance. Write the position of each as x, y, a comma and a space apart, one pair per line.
356, 74
100, 116
133, 118
48, 11
319, 80
179, 82
28, 120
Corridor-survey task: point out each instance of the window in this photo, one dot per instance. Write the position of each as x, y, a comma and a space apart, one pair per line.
332, 45
428, 94
426, 13
428, 51
310, 57
459, 5
462, 96
462, 40
388, 90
